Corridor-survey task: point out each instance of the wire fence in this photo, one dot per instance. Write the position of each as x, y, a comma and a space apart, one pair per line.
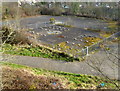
98, 46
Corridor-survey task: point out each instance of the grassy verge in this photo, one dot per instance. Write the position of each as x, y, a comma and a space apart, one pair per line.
36, 52
72, 80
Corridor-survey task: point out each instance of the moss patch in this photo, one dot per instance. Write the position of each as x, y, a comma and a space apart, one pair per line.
91, 40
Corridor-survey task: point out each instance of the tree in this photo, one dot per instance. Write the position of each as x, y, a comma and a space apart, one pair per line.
74, 8
9, 10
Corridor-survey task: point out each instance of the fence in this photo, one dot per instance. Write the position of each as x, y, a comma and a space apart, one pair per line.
97, 46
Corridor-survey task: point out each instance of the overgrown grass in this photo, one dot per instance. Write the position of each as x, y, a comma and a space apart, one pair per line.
36, 52
91, 40
63, 46
74, 80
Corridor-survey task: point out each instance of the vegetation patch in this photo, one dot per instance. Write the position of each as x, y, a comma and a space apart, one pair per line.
63, 45
52, 20
15, 78
105, 35
91, 40
35, 78
36, 52
14, 36
116, 39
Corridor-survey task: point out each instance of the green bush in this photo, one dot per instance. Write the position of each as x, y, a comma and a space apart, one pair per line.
52, 20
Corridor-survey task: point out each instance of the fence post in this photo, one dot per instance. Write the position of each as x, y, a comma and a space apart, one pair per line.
87, 51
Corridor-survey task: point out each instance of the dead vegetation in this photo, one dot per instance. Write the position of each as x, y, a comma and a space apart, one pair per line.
17, 37
24, 79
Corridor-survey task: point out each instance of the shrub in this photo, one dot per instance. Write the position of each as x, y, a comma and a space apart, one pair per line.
52, 20
29, 10
9, 10
51, 11
15, 37
7, 34
56, 11
21, 37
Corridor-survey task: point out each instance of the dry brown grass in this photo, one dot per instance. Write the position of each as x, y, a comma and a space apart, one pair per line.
26, 79
17, 36
23, 37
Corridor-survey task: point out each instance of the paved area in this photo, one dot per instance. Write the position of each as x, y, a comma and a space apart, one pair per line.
107, 63
73, 38
39, 25
79, 22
